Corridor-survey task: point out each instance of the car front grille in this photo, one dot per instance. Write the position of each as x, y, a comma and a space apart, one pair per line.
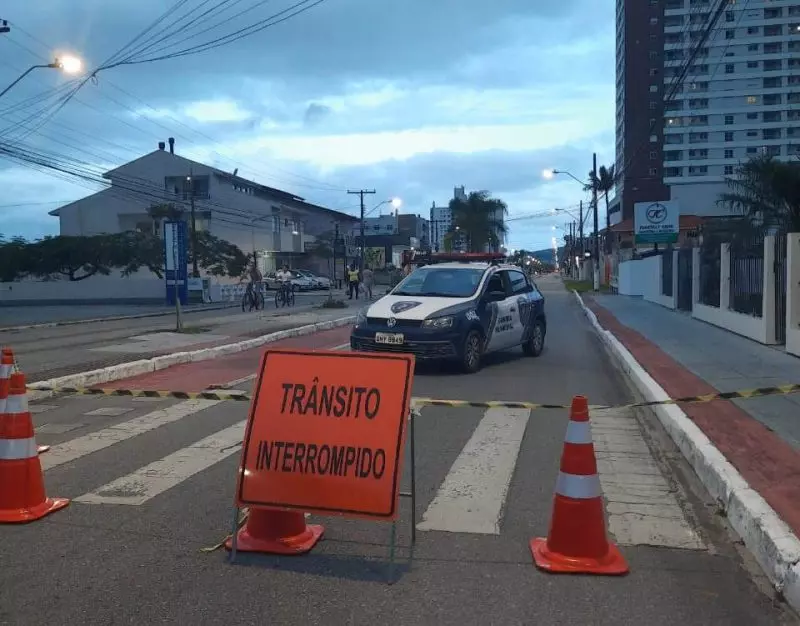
399, 323
421, 349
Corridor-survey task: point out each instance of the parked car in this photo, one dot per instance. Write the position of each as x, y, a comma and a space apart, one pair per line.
299, 282
320, 282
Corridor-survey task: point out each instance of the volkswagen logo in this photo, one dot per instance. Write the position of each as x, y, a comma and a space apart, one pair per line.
391, 322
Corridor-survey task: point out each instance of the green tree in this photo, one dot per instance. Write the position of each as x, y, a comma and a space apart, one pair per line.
604, 184
480, 219
765, 194
15, 259
159, 213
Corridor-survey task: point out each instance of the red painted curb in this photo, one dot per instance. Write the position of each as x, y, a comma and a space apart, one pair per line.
768, 464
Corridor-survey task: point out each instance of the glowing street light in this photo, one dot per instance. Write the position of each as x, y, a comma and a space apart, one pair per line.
68, 64
396, 203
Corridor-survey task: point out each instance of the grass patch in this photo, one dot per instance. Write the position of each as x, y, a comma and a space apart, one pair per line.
582, 286
332, 303
186, 330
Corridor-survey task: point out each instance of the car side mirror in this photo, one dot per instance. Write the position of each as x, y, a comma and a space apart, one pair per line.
495, 296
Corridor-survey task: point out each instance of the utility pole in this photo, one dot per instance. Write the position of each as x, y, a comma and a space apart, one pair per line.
195, 267
361, 193
335, 244
596, 233
580, 228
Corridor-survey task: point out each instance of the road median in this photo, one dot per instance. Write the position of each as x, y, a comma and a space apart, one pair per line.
767, 536
147, 366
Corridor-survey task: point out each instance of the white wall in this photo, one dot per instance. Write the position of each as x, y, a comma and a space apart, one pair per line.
642, 277
793, 294
97, 289
631, 279
761, 329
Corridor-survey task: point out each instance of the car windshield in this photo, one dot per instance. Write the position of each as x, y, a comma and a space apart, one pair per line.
443, 282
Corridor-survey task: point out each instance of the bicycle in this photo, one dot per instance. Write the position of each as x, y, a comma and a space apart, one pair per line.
285, 295
253, 298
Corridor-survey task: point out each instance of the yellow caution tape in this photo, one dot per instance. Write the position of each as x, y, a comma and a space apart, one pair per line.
423, 402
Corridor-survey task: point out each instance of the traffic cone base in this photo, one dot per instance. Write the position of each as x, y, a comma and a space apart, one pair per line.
23, 516
611, 564
276, 532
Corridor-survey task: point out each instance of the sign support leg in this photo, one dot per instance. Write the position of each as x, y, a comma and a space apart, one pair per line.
234, 534
412, 495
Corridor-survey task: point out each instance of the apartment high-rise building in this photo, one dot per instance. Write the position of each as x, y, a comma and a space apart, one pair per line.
739, 98
640, 106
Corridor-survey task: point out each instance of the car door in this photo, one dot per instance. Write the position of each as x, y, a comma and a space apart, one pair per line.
527, 299
500, 333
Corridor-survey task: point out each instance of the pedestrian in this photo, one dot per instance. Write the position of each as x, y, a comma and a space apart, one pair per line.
368, 278
353, 280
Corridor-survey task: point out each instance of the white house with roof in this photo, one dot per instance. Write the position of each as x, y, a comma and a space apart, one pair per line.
277, 224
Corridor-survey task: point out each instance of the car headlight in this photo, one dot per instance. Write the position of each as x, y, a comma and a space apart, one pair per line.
361, 317
439, 322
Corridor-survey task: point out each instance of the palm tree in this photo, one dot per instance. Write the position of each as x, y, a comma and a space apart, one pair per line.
480, 219
765, 194
603, 184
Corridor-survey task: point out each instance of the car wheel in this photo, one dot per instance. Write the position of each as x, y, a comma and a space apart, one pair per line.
535, 345
472, 352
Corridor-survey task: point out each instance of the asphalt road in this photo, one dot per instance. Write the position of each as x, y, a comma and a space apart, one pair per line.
59, 350
129, 551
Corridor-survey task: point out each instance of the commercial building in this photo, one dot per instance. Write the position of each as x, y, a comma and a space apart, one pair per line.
279, 225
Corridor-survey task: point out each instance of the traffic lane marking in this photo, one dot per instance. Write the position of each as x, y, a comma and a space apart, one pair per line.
203, 375
154, 479
472, 496
75, 449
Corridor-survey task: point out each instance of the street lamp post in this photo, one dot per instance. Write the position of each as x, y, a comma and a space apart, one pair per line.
68, 65
550, 174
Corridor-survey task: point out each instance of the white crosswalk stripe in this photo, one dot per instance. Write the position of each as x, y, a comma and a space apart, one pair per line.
151, 480
93, 442
472, 497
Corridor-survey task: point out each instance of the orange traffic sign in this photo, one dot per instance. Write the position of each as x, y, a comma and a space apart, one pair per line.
326, 433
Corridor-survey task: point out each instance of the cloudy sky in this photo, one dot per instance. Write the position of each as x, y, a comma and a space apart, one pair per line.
410, 97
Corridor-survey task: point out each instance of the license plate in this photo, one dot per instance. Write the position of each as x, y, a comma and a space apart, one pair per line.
395, 339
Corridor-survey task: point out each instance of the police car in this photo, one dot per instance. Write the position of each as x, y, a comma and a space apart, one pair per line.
456, 307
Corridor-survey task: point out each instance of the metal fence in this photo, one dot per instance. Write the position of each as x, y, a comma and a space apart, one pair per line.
781, 275
747, 276
710, 263
667, 265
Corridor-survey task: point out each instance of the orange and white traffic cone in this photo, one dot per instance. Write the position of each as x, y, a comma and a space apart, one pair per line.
276, 532
577, 541
22, 494
8, 364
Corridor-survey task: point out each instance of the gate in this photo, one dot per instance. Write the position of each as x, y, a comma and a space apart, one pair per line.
780, 270
666, 272
685, 279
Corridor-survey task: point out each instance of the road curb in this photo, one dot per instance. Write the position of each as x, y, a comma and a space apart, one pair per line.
147, 366
113, 318
768, 538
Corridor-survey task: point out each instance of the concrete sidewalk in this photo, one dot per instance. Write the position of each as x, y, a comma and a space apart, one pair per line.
726, 361
760, 437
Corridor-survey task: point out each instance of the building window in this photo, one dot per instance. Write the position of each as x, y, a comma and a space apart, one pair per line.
653, 55
728, 120
730, 34
729, 136
729, 68
752, 64
753, 47
653, 171
653, 138
653, 105
728, 170
752, 99
730, 16
653, 21
653, 88
653, 155
752, 116
653, 71
728, 154
752, 30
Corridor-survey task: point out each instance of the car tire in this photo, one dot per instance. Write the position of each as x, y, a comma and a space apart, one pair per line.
535, 345
472, 352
